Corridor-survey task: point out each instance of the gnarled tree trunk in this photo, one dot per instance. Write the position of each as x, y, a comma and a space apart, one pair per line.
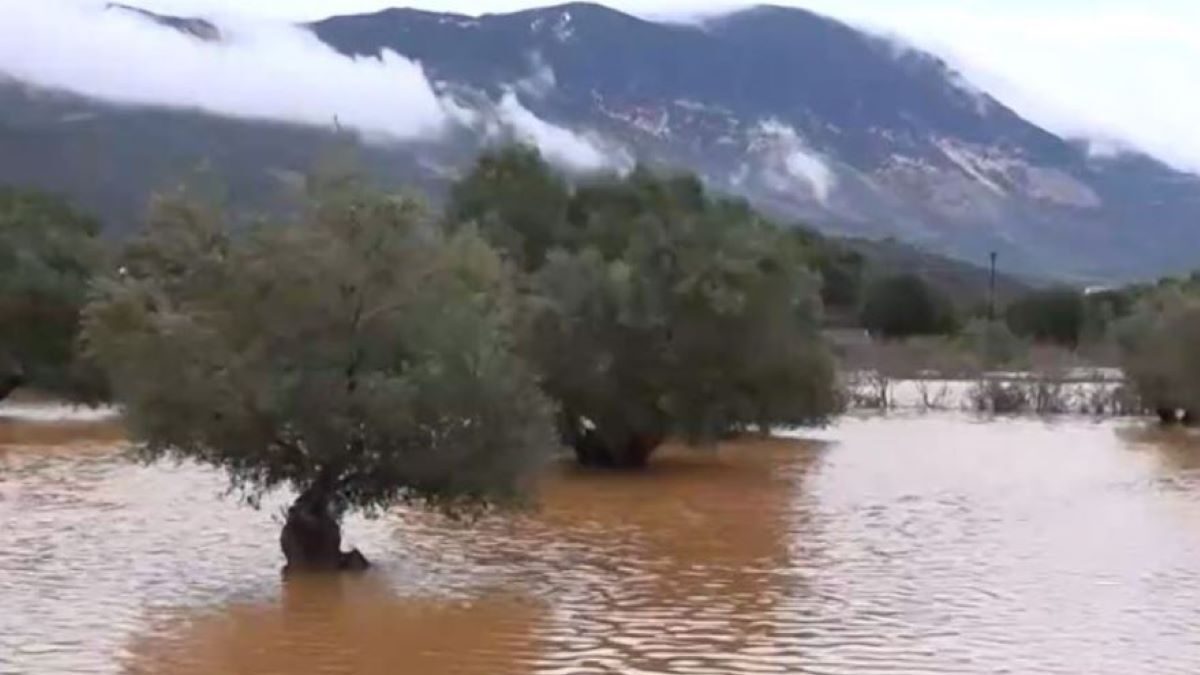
1167, 416
312, 537
630, 450
10, 380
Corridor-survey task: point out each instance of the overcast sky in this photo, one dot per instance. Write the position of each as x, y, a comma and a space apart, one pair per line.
1121, 72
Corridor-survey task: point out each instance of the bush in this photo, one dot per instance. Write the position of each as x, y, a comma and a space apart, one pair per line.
992, 344
1055, 316
905, 305
1000, 398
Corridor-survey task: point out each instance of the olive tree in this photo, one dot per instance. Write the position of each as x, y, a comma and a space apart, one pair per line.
905, 305
359, 356
514, 197
660, 311
48, 252
1160, 357
1055, 315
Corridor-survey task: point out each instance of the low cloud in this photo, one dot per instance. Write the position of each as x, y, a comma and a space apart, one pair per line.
509, 118
541, 79
259, 69
268, 70
787, 162
1116, 73
560, 145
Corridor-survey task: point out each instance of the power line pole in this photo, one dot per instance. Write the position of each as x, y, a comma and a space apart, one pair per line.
992, 289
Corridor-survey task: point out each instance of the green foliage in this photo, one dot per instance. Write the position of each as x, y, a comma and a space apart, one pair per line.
904, 305
841, 269
516, 200
360, 350
48, 252
1158, 344
992, 344
1054, 315
660, 310
1102, 310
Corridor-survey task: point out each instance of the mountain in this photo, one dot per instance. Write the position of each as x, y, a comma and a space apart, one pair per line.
193, 26
809, 118
110, 159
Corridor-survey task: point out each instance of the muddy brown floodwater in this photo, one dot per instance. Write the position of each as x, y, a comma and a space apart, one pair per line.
904, 545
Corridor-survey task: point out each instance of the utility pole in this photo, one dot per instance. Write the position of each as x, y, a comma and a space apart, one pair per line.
992, 289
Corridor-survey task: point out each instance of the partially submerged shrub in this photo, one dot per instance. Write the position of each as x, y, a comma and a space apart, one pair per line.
998, 397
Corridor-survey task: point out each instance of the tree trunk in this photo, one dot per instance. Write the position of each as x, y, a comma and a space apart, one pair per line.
312, 537
9, 382
597, 450
1168, 416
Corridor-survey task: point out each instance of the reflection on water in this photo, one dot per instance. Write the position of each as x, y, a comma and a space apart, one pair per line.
908, 545
50, 437
350, 625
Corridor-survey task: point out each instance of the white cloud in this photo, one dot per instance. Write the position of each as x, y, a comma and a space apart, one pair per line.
788, 162
540, 81
509, 119
260, 69
319, 9
560, 145
809, 168
1122, 74
265, 69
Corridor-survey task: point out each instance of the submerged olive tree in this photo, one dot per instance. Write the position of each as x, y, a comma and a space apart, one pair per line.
360, 356
656, 309
1160, 348
48, 252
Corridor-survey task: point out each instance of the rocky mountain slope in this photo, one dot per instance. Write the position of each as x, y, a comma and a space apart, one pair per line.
812, 120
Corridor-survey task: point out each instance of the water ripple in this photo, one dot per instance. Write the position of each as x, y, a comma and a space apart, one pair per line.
901, 546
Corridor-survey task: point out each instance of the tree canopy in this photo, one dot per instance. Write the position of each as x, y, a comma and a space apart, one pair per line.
48, 253
905, 305
1054, 315
518, 202
1159, 356
359, 355
656, 309
840, 268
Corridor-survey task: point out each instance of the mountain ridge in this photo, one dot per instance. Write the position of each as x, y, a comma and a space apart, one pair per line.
931, 169
810, 118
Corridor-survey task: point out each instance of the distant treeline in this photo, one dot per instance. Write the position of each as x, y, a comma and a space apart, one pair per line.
49, 253
860, 290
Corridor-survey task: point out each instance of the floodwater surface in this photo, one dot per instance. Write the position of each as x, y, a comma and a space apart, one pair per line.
907, 545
